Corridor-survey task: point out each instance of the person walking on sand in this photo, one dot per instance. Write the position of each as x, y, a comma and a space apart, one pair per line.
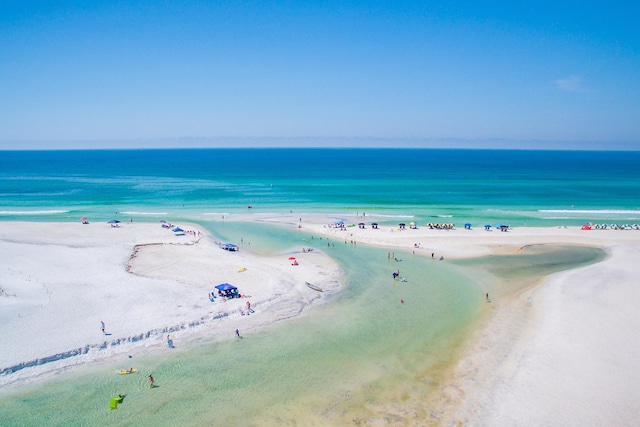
102, 326
238, 333
151, 381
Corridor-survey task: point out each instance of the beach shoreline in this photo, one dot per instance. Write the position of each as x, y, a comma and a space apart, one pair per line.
506, 363
144, 283
563, 349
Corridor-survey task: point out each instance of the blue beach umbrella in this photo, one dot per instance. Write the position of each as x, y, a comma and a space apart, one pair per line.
113, 221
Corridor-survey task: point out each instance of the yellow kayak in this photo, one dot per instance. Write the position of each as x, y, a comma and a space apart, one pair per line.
131, 371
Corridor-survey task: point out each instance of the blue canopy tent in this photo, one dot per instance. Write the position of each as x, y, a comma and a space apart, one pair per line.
226, 287
467, 226
228, 291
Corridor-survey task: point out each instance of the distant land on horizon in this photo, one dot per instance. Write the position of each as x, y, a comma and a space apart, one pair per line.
318, 142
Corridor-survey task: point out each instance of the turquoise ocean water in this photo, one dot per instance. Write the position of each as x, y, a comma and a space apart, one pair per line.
477, 186
362, 357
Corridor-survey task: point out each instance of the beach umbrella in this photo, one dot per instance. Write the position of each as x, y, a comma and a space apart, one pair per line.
177, 230
163, 221
291, 258
84, 218
113, 221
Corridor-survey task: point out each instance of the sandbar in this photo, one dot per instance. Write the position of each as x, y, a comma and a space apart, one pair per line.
61, 281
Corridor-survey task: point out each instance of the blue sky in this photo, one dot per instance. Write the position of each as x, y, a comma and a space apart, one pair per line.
207, 73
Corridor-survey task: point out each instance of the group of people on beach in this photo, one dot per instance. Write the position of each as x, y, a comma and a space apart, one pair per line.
151, 380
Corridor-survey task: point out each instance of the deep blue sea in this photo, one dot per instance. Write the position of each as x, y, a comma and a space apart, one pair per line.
428, 185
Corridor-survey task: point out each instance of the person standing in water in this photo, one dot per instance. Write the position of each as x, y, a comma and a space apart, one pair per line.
151, 381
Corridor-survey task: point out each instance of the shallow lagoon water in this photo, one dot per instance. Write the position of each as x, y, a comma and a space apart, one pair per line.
508, 274
344, 362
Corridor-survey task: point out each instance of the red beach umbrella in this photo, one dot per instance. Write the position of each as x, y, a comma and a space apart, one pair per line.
291, 258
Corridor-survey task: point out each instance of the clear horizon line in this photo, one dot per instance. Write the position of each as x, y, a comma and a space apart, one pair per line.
316, 142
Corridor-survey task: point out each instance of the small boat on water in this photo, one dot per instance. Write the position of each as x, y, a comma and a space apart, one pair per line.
314, 287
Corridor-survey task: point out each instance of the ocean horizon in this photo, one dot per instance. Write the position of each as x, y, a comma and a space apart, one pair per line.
515, 187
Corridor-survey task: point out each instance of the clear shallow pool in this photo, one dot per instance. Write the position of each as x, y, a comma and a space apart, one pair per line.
339, 364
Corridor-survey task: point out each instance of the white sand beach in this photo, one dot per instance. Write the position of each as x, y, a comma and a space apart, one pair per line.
565, 352
61, 280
